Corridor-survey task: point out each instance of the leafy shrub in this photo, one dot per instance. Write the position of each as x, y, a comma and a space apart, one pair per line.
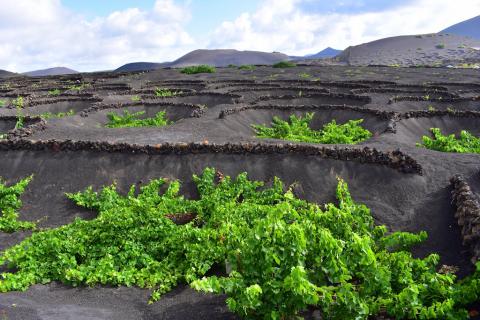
164, 92
284, 64
18, 103
132, 120
50, 115
3, 103
298, 129
304, 75
249, 67
10, 203
54, 92
79, 87
203, 68
136, 98
286, 254
465, 143
440, 46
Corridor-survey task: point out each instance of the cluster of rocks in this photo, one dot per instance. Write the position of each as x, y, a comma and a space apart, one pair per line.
467, 214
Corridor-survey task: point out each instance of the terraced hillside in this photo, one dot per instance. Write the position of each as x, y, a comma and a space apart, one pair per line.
58, 130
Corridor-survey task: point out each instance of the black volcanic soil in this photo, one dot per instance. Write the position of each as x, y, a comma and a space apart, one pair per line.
406, 187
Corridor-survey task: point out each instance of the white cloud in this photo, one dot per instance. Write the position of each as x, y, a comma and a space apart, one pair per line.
281, 25
42, 33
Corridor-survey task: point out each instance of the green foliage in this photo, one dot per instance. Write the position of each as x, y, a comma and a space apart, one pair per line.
10, 203
286, 254
79, 87
132, 120
465, 143
440, 46
298, 129
49, 115
163, 92
249, 67
18, 103
136, 98
203, 68
54, 92
3, 103
304, 75
284, 64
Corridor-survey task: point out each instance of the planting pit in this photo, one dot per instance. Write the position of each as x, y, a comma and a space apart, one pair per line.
240, 121
61, 106
173, 112
411, 130
206, 99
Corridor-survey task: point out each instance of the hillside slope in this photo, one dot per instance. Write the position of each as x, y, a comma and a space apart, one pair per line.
225, 57
414, 50
468, 28
50, 72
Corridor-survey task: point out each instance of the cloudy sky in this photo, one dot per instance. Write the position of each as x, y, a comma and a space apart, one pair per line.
89, 35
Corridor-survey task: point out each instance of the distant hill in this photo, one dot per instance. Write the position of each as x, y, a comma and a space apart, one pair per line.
50, 72
141, 66
6, 74
468, 28
325, 53
225, 57
414, 50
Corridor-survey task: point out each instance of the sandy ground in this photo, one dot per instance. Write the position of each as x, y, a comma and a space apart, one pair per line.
218, 110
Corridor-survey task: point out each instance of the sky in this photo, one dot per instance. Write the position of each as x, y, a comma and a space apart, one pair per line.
89, 35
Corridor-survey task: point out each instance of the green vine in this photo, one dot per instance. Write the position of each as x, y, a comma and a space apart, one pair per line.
285, 254
10, 203
465, 143
298, 129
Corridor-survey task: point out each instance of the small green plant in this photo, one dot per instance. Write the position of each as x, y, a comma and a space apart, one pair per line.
18, 103
284, 64
136, 98
54, 92
79, 87
50, 115
164, 92
248, 67
3, 103
133, 120
426, 97
10, 203
431, 108
440, 46
450, 109
304, 75
465, 143
203, 68
298, 129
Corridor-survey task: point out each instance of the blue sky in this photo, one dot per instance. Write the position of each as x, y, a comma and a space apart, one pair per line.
89, 35
207, 13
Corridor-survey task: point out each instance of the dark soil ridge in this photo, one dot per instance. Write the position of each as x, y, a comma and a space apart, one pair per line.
338, 84
441, 113
393, 159
306, 89
403, 91
467, 214
361, 99
431, 99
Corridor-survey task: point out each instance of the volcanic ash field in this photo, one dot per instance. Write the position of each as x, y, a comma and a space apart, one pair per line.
66, 143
